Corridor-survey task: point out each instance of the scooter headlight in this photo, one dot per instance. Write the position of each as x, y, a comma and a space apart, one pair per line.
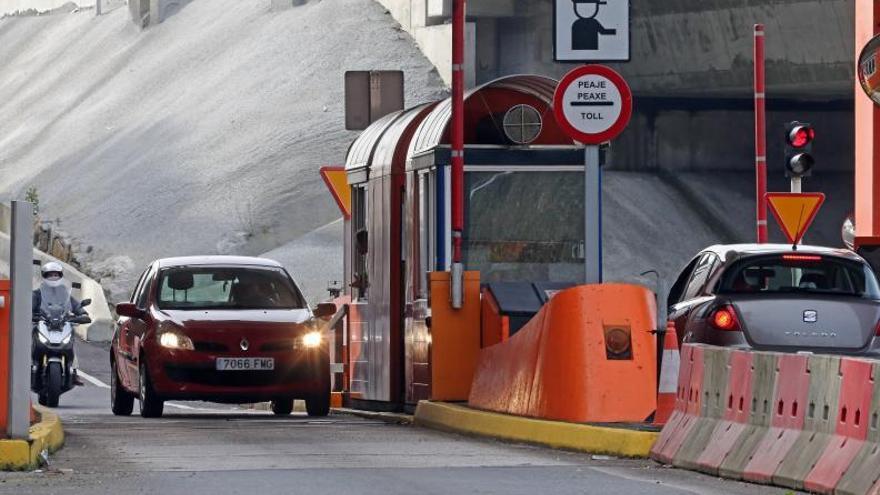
43, 339
66, 340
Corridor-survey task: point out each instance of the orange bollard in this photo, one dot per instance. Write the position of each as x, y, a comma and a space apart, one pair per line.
668, 376
5, 305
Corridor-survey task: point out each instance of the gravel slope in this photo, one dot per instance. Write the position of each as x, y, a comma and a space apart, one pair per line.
201, 135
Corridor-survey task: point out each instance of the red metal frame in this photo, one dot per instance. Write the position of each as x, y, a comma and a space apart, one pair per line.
867, 131
760, 136
625, 111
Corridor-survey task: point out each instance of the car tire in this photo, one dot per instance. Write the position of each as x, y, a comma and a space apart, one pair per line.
121, 400
282, 407
318, 404
151, 405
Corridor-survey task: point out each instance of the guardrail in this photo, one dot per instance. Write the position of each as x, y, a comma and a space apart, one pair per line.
809, 422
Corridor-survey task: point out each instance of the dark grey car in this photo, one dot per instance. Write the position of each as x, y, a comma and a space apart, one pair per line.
770, 297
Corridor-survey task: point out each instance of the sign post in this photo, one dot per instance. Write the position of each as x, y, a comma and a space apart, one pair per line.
20, 269
593, 105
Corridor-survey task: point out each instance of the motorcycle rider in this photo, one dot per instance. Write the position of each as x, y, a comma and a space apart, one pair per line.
53, 291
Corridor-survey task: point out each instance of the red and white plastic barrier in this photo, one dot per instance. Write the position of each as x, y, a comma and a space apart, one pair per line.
807, 422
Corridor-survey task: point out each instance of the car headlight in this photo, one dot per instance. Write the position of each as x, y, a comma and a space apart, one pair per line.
312, 339
174, 340
43, 338
66, 340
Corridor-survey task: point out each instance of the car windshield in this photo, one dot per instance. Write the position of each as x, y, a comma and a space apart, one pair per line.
801, 273
227, 288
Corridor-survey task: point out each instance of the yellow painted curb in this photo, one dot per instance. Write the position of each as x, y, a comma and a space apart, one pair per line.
557, 434
48, 434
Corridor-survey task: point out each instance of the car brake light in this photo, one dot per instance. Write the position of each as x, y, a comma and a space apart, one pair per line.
801, 257
725, 319
877, 329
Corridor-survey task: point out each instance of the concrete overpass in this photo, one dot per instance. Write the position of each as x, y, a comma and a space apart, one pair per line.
691, 71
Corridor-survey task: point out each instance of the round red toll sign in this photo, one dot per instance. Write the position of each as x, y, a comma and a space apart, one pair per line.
592, 104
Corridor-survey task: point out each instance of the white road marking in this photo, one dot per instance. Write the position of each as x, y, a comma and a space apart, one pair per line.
89, 378
98, 383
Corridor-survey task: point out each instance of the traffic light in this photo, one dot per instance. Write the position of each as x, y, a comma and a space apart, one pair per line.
798, 144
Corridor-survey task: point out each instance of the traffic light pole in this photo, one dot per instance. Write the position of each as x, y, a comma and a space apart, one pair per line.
796, 184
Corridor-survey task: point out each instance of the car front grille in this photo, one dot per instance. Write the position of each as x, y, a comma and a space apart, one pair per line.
212, 377
210, 347
277, 346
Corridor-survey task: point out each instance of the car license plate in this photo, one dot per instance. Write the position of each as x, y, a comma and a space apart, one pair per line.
245, 364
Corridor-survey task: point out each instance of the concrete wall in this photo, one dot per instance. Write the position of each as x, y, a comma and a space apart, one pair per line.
101, 328
691, 72
434, 36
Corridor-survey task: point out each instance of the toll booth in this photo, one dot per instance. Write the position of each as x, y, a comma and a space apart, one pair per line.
524, 222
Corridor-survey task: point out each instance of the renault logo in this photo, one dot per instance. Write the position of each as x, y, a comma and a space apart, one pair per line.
811, 316
244, 344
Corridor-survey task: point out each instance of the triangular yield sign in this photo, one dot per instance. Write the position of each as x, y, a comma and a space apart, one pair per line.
795, 212
337, 183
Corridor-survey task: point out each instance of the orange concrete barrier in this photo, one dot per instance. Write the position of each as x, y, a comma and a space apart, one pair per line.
589, 355
800, 421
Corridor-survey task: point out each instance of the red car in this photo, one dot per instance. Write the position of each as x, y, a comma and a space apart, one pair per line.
221, 329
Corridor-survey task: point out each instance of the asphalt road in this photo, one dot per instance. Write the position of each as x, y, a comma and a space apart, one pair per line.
199, 448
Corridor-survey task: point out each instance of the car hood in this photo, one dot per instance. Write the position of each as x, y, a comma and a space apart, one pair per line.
262, 318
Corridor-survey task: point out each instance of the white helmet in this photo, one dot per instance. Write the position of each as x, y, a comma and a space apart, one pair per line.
53, 273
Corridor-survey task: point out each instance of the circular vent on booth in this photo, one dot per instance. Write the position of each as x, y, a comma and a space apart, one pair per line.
522, 124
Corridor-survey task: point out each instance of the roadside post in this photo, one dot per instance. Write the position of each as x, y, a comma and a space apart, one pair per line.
21, 256
593, 105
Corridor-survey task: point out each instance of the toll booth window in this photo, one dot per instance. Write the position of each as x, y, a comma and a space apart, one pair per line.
360, 284
525, 226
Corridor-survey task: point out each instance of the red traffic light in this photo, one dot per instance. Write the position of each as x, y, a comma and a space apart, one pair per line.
801, 135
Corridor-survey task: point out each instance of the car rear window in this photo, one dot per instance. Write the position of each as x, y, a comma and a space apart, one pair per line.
227, 288
800, 273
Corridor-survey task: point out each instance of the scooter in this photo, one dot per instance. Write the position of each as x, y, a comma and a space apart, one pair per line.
52, 352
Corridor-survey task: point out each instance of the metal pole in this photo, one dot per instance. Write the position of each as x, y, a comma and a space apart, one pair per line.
457, 150
592, 215
97, 7
796, 184
21, 259
760, 137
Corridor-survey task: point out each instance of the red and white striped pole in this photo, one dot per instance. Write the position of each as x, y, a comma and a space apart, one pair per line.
760, 136
457, 151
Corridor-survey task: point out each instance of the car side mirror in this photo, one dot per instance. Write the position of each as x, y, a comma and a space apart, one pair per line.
129, 310
325, 310
85, 302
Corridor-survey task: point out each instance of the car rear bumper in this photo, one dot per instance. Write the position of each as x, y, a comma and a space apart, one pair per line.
194, 376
